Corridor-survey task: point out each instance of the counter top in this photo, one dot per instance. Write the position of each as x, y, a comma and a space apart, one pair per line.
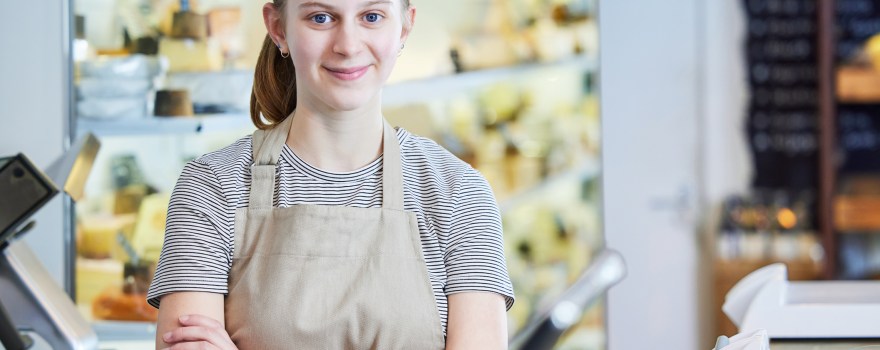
825, 344
127, 345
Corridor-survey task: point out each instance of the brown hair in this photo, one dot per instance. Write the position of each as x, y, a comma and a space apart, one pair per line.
274, 92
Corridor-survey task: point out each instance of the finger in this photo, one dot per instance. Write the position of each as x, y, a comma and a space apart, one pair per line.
200, 345
199, 320
215, 336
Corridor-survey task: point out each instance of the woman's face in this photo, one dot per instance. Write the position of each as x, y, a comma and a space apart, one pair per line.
343, 50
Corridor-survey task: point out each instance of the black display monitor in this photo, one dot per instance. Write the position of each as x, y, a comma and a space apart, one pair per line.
24, 189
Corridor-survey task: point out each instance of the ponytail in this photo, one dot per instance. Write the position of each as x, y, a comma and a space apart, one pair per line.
274, 93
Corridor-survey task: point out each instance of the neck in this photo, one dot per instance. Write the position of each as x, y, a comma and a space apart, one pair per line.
337, 141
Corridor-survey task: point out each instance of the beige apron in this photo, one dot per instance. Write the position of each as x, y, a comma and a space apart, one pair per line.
328, 277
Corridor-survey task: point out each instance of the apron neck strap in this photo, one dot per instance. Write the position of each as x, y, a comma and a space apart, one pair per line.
266, 149
392, 174
267, 145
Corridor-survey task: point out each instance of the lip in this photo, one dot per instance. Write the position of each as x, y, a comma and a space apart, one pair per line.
347, 73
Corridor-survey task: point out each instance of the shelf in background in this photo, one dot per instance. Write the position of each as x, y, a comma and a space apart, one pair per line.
857, 85
124, 330
414, 91
589, 169
125, 335
396, 94
855, 213
165, 125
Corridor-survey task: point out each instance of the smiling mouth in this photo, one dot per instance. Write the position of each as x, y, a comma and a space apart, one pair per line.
347, 74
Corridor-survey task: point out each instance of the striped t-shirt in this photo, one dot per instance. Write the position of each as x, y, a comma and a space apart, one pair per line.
458, 218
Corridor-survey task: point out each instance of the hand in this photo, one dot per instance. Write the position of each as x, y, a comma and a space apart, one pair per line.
198, 332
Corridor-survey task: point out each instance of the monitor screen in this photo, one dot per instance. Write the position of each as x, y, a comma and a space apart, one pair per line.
25, 190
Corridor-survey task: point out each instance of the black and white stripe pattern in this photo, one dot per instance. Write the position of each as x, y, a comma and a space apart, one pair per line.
458, 217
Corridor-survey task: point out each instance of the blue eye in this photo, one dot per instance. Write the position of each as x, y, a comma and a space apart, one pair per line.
321, 18
373, 17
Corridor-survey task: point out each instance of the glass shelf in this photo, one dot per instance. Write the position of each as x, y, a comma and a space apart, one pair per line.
589, 169
421, 90
397, 94
165, 125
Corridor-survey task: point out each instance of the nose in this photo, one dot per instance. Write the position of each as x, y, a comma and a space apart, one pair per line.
348, 41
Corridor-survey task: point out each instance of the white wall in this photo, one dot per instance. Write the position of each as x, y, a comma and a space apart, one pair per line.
651, 93
674, 69
726, 160
32, 91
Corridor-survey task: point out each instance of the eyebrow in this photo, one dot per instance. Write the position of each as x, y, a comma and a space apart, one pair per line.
308, 4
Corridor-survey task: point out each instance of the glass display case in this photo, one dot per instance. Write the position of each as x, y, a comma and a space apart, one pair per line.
508, 86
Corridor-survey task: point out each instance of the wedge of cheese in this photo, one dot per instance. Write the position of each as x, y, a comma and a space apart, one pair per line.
185, 55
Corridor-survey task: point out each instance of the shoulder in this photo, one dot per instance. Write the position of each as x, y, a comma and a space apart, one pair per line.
216, 174
227, 158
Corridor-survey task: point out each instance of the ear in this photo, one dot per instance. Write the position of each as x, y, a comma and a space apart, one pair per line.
274, 21
408, 22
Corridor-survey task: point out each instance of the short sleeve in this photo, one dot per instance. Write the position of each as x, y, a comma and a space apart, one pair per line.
475, 253
197, 250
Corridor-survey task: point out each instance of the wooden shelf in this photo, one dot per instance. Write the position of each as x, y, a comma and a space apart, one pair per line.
858, 85
857, 213
827, 127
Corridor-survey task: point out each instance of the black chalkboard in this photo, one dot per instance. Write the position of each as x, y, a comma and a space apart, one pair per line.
857, 20
781, 59
858, 126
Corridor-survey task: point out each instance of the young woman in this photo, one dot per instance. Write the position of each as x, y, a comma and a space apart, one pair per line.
328, 229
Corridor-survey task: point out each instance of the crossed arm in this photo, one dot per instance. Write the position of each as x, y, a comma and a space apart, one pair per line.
194, 320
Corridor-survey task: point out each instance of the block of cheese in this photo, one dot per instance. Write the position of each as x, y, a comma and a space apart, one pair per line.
552, 42
186, 55
94, 275
97, 235
113, 304
189, 25
149, 231
485, 51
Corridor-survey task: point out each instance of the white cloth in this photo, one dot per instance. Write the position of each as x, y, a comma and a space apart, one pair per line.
752, 340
